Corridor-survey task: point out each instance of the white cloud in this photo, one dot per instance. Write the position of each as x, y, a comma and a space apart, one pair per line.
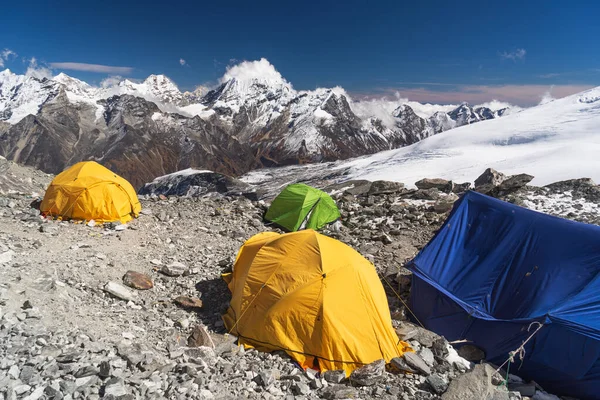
547, 96
5, 54
382, 108
35, 70
103, 69
518, 54
182, 62
111, 81
250, 70
496, 105
523, 95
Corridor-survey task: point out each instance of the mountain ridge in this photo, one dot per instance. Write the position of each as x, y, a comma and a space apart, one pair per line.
253, 118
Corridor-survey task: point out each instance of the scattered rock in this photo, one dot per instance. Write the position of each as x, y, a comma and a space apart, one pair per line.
336, 376
368, 375
115, 387
137, 280
476, 384
300, 388
385, 187
416, 362
437, 383
200, 338
118, 290
461, 187
6, 256
174, 269
340, 392
400, 364
188, 302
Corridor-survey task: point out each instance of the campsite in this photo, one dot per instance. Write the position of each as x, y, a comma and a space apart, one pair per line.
206, 297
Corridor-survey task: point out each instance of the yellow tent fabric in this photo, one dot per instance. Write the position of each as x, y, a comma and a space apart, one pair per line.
313, 297
87, 191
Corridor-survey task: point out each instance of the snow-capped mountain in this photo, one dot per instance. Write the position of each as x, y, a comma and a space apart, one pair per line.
253, 107
465, 114
21, 95
555, 141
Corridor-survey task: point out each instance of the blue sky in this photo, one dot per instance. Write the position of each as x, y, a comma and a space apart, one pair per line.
427, 51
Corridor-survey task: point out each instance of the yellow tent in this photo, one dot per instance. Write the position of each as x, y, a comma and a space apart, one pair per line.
312, 296
89, 191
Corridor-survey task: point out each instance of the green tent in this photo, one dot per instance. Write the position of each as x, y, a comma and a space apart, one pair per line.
300, 206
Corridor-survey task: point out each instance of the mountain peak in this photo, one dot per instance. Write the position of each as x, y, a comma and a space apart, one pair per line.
69, 81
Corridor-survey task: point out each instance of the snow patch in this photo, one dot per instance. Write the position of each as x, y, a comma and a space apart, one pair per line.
454, 359
198, 110
561, 204
321, 115
555, 141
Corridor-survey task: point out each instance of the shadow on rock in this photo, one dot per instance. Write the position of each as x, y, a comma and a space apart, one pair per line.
215, 297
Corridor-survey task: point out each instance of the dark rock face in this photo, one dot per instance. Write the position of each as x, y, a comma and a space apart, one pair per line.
127, 140
198, 184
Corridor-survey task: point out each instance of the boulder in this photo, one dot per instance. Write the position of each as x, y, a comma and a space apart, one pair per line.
490, 177
370, 374
476, 384
385, 187
442, 185
515, 182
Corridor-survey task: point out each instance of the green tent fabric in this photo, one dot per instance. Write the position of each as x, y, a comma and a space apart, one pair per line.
299, 203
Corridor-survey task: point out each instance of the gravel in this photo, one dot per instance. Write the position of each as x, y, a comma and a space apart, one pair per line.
90, 312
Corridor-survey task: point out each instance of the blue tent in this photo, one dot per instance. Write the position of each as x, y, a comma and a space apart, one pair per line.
493, 268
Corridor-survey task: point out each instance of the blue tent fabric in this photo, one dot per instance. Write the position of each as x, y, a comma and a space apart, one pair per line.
493, 268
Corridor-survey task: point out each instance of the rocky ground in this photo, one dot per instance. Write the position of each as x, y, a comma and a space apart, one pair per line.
132, 312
